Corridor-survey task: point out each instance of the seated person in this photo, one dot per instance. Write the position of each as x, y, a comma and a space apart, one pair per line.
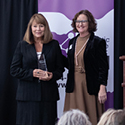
112, 117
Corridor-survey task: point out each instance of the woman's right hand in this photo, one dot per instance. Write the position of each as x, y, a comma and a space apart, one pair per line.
47, 76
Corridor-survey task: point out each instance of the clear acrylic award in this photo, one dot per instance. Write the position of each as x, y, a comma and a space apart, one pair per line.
42, 64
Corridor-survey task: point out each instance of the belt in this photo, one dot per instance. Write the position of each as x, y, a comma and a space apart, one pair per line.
79, 69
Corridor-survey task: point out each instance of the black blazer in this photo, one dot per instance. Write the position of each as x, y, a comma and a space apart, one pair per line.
96, 64
25, 61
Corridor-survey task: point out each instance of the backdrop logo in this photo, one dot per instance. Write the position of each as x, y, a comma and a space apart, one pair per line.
63, 40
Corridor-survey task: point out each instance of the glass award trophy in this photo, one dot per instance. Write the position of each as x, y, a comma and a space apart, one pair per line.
42, 64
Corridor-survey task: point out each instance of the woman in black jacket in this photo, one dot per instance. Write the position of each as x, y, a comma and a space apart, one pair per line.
37, 63
88, 68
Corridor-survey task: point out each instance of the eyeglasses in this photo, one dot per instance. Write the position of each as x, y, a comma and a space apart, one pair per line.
81, 21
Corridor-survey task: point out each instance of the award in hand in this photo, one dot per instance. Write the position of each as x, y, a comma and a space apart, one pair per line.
42, 65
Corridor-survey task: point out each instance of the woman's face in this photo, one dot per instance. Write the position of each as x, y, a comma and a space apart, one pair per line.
82, 24
37, 30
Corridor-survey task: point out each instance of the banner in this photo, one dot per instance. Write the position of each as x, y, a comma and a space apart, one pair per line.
59, 15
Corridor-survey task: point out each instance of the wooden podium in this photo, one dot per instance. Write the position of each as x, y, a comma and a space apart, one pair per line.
123, 84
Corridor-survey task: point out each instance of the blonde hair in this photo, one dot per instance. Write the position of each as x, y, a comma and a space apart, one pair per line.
74, 117
39, 18
108, 117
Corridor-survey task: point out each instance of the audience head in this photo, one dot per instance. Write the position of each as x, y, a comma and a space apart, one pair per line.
112, 117
120, 118
74, 117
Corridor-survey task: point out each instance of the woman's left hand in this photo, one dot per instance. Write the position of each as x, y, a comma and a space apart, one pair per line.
102, 95
47, 77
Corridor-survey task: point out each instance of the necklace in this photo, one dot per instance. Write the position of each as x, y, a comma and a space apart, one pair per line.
76, 54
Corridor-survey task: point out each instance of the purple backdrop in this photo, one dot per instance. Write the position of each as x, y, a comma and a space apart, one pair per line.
69, 8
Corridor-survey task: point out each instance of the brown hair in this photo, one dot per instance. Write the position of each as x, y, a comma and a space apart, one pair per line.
91, 21
39, 18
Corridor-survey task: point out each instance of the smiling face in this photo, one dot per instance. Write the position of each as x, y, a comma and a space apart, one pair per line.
37, 30
82, 24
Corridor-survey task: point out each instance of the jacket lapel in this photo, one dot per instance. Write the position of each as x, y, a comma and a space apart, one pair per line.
89, 43
46, 48
32, 50
73, 46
